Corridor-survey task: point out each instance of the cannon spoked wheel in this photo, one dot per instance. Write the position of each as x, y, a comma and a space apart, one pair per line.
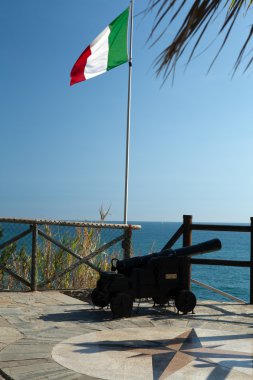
121, 305
185, 301
99, 298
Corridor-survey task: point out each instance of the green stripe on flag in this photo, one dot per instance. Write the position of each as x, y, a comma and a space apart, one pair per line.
118, 41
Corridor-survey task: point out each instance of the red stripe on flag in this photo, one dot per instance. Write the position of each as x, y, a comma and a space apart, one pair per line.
77, 72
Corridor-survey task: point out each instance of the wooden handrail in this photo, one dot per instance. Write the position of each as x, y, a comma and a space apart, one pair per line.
219, 227
70, 223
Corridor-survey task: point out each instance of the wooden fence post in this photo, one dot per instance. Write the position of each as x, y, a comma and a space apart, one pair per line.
127, 243
251, 262
187, 241
34, 258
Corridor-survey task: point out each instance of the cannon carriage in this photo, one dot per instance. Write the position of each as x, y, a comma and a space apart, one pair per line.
162, 276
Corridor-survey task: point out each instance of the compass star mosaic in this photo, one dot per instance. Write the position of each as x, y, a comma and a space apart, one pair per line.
158, 354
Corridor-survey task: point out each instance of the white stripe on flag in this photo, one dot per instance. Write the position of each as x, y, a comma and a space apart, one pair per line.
98, 60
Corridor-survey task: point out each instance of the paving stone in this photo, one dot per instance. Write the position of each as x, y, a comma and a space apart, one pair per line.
37, 299
4, 322
20, 363
60, 297
194, 324
2, 345
38, 371
24, 351
141, 322
56, 337
9, 335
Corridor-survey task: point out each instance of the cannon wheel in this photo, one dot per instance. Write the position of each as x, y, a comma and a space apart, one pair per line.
185, 301
121, 305
99, 298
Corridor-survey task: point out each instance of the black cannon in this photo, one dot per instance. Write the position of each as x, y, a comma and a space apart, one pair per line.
162, 276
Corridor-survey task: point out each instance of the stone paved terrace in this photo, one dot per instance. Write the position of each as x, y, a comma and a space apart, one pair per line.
49, 335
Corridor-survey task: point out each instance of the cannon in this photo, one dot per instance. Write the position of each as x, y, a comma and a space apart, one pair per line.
163, 276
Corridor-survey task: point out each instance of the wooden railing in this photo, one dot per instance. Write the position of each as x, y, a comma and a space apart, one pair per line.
186, 230
34, 228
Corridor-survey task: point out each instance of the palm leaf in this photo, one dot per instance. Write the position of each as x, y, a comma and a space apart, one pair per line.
194, 18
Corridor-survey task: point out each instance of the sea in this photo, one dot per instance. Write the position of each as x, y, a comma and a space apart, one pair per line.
154, 235
235, 246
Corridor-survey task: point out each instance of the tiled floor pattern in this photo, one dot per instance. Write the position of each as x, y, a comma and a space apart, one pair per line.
159, 353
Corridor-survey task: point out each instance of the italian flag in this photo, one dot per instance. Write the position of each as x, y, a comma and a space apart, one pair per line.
107, 51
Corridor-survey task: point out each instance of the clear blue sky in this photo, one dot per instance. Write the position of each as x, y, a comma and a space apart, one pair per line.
62, 148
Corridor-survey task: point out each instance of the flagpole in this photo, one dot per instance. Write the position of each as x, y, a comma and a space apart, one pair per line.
128, 110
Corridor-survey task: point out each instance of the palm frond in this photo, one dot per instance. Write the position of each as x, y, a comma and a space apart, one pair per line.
194, 18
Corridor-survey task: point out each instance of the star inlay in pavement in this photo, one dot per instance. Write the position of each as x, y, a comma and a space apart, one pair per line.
151, 353
171, 356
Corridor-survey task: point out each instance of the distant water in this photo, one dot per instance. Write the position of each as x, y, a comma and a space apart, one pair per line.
235, 246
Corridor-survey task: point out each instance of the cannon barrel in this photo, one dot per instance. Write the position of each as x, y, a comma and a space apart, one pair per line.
196, 249
125, 266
